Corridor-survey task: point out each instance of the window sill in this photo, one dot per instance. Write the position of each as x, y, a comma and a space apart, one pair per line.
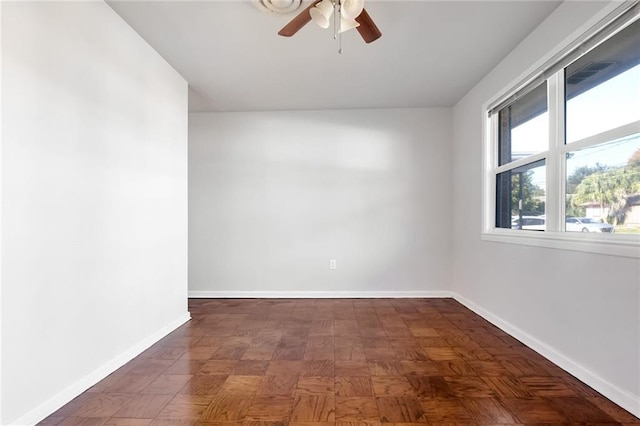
627, 245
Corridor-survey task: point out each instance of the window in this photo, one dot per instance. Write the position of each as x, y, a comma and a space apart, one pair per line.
564, 148
523, 137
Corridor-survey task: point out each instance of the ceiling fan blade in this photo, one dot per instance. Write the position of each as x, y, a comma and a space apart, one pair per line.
298, 22
367, 29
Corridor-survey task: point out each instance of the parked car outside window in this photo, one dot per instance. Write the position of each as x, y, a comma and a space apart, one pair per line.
530, 223
587, 224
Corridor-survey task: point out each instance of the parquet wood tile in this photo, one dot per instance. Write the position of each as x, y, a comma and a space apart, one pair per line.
230, 352
225, 408
270, 408
470, 387
442, 354
352, 353
424, 332
507, 387
430, 386
348, 339
250, 368
406, 343
488, 411
357, 409
185, 366
281, 385
260, 354
411, 353
172, 422
614, 411
396, 331
203, 385
283, 367
115, 421
351, 368
456, 367
488, 368
534, 410
522, 367
380, 353
400, 410
547, 386
150, 367
427, 368
353, 386
319, 354
163, 352
448, 410
217, 367
322, 368
289, 353
124, 383
241, 385
250, 423
435, 342
343, 362
580, 410
319, 343
52, 420
83, 421
143, 406
312, 424
68, 409
185, 407
580, 388
315, 386
375, 342
385, 368
101, 405
313, 408
392, 386
167, 384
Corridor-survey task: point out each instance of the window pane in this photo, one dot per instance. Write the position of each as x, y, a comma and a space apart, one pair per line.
520, 197
602, 88
603, 187
524, 126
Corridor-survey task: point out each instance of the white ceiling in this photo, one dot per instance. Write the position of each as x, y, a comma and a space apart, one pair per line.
431, 52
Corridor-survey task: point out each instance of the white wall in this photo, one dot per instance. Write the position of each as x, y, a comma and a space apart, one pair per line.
580, 310
1, 133
274, 196
94, 201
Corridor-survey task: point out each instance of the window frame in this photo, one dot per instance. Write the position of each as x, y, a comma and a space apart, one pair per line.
625, 245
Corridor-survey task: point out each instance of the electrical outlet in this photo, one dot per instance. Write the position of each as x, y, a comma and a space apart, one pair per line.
332, 264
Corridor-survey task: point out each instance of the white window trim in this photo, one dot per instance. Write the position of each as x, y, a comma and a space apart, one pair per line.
622, 245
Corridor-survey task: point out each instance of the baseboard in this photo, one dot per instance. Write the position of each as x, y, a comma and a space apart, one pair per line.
50, 406
317, 294
621, 397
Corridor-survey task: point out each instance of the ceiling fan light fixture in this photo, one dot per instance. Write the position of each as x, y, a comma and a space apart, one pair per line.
321, 13
348, 24
351, 9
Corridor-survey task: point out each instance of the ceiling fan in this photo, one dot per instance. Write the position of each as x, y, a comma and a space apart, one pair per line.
351, 13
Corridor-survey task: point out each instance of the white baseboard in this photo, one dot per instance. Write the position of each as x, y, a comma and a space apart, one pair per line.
50, 406
317, 294
621, 397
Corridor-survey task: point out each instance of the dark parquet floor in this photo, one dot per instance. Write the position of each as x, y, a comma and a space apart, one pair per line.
344, 362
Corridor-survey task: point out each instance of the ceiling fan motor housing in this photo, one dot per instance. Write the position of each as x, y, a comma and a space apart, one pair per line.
277, 6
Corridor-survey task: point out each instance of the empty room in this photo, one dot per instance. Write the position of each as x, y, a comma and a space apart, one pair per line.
319, 212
